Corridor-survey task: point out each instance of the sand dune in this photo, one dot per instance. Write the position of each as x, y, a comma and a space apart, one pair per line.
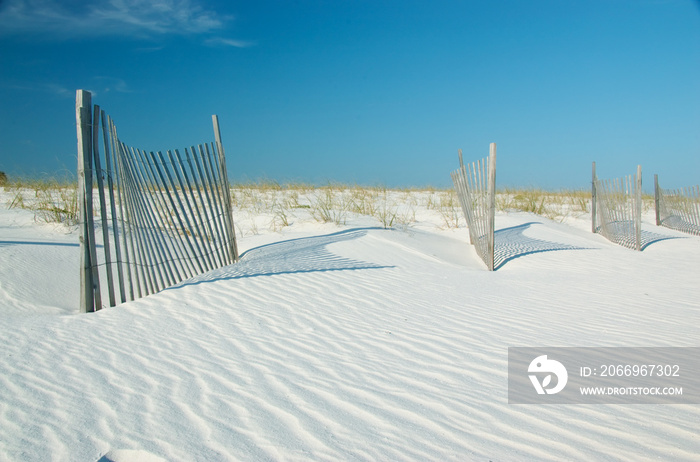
341, 343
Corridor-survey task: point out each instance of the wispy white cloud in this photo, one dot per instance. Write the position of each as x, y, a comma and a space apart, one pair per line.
59, 90
220, 41
54, 89
149, 49
98, 84
108, 17
109, 84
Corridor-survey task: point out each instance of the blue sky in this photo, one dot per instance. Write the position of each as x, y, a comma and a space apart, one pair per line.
368, 92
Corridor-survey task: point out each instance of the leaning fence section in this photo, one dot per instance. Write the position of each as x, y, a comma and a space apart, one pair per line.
149, 220
475, 184
617, 209
678, 208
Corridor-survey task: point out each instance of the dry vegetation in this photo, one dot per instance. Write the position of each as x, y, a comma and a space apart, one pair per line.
52, 200
273, 206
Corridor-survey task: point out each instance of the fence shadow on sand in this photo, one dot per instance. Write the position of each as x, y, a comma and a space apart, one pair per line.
649, 238
303, 255
311, 254
511, 243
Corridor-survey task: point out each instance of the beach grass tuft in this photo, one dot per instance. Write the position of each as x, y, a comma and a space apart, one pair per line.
273, 205
53, 200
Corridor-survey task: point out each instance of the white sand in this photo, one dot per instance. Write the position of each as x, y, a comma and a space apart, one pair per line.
340, 343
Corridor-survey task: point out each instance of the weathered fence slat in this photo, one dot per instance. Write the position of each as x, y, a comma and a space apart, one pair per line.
207, 187
678, 209
232, 246
616, 211
83, 102
208, 213
109, 148
161, 211
218, 207
594, 203
103, 206
156, 217
121, 221
186, 227
136, 203
163, 219
476, 190
131, 214
220, 201
198, 220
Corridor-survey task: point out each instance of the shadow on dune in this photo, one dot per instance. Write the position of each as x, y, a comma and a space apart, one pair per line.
58, 244
623, 236
511, 243
649, 238
303, 255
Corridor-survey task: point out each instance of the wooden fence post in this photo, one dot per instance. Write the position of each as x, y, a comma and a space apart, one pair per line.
638, 204
233, 246
83, 116
657, 199
593, 201
492, 205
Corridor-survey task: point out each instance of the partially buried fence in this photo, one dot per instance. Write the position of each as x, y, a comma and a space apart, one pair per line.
678, 208
476, 189
617, 209
162, 218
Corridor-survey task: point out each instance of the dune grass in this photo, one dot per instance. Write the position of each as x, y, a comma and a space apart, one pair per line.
269, 205
53, 200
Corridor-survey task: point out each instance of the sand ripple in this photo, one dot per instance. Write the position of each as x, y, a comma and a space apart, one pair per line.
348, 347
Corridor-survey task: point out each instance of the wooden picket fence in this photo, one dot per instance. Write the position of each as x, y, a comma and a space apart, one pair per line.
678, 208
617, 209
476, 189
160, 218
